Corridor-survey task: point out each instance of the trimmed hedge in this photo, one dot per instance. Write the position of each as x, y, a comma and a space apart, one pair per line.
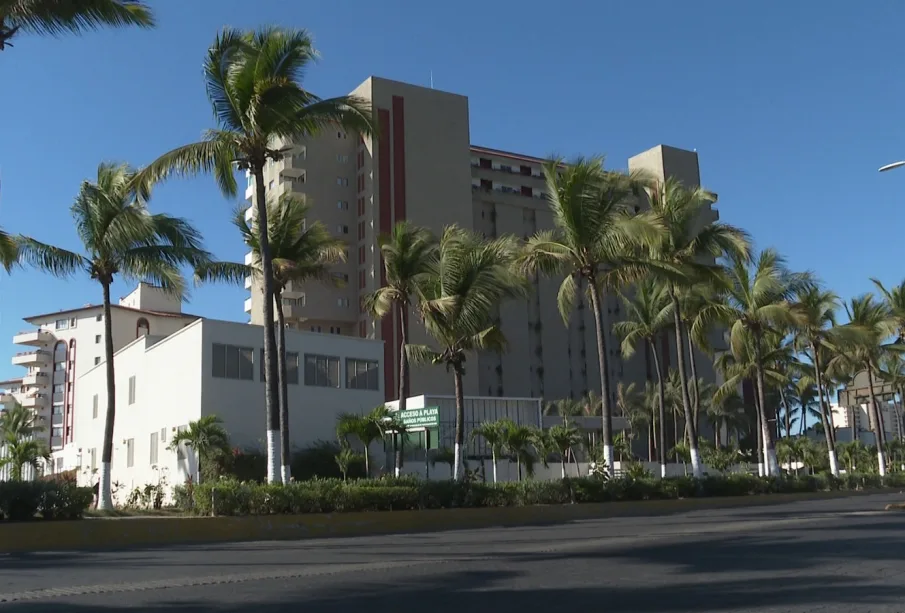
25, 500
332, 495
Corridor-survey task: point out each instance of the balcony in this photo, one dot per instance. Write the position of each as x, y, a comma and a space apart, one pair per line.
292, 183
248, 282
249, 258
35, 401
56, 442
249, 213
31, 358
248, 305
6, 398
294, 165
294, 310
37, 337
36, 379
250, 192
56, 420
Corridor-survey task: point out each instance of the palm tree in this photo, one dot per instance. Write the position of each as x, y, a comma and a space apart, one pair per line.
473, 275
894, 299
689, 246
853, 454
58, 16
815, 318
595, 244
17, 427
344, 460
647, 314
726, 414
565, 407
9, 251
494, 434
519, 440
409, 259
870, 324
892, 371
756, 300
366, 428
120, 237
564, 438
300, 252
253, 83
206, 436
17, 422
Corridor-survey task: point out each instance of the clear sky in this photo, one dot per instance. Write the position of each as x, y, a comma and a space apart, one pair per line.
792, 107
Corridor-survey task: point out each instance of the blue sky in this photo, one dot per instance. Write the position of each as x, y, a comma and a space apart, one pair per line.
792, 109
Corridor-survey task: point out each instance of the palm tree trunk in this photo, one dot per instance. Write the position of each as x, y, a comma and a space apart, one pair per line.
458, 469
661, 410
105, 494
283, 388
562, 464
690, 423
878, 426
493, 455
771, 465
695, 392
603, 362
403, 373
270, 366
759, 438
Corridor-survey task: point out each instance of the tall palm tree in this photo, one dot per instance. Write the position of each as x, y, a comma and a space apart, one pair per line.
301, 252
894, 300
9, 251
206, 436
690, 246
814, 313
17, 422
727, 414
119, 237
494, 434
409, 259
253, 83
75, 16
595, 245
892, 371
472, 277
647, 314
871, 323
756, 301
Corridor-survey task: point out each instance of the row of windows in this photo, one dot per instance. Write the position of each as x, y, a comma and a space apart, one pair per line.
232, 362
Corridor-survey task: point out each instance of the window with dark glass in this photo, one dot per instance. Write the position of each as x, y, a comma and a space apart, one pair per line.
321, 370
362, 374
292, 367
231, 362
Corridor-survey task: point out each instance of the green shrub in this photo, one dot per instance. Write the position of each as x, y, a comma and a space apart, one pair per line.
25, 500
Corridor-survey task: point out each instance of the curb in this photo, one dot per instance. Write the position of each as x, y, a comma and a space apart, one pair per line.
121, 533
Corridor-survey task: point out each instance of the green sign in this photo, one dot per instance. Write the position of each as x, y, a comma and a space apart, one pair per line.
428, 417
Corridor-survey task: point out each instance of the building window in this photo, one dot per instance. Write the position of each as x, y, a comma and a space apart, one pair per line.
342, 229
299, 302
362, 374
292, 367
342, 303
485, 163
231, 362
59, 366
96, 361
342, 181
525, 170
100, 317
97, 339
335, 330
342, 158
340, 278
142, 328
94, 403
342, 205
93, 454
57, 409
154, 446
163, 435
130, 453
56, 432
321, 370
61, 324
316, 329
132, 389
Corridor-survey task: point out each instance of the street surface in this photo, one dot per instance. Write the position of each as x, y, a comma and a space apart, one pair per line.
836, 555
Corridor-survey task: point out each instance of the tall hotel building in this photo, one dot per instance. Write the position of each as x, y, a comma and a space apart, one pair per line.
421, 166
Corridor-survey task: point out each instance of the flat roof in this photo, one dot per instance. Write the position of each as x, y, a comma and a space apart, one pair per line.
507, 154
88, 307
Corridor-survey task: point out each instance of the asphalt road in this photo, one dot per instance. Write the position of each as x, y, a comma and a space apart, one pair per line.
841, 555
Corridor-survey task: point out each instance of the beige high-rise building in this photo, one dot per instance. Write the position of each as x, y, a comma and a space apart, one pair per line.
421, 166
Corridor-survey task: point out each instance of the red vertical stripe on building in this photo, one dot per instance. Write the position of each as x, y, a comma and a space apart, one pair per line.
398, 158
385, 226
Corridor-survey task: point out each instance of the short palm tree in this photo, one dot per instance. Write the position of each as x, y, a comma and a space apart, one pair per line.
870, 324
24, 452
119, 237
366, 428
58, 16
206, 436
647, 314
409, 258
597, 244
814, 311
689, 249
892, 371
756, 300
854, 455
253, 83
301, 252
473, 275
494, 434
565, 407
564, 439
17, 422
519, 441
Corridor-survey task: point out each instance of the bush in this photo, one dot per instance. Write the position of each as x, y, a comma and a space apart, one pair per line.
24, 500
232, 497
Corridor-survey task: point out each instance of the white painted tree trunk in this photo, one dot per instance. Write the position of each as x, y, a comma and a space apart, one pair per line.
834, 464
881, 462
610, 458
286, 474
662, 471
562, 466
457, 462
104, 496
494, 468
760, 469
273, 456
697, 469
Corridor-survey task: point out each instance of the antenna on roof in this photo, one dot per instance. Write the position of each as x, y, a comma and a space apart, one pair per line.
432, 79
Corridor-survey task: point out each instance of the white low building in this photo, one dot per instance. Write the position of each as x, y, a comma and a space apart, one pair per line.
214, 367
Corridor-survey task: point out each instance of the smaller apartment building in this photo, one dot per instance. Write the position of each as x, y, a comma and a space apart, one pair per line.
214, 367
